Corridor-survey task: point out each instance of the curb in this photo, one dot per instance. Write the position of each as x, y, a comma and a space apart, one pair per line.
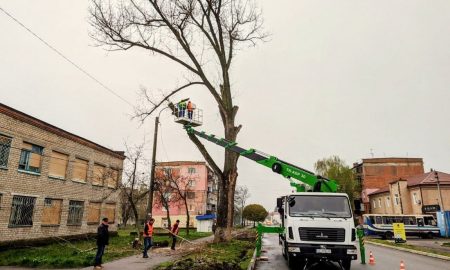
252, 264
437, 256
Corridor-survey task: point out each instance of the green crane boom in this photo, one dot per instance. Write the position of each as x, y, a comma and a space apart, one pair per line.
318, 183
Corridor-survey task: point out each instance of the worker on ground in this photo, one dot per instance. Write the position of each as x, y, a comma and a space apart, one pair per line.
174, 232
190, 109
102, 242
148, 234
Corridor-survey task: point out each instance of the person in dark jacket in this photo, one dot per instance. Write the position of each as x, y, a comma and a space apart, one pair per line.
102, 242
174, 232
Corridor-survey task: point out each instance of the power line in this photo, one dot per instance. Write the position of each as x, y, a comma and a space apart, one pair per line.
66, 58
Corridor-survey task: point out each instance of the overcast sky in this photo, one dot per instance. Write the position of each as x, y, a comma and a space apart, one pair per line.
336, 78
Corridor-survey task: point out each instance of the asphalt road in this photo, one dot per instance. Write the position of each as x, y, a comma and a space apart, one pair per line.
385, 259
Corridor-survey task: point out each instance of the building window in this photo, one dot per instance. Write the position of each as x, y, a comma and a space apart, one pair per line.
416, 201
22, 211
80, 168
5, 145
109, 211
31, 158
379, 202
168, 172
374, 204
191, 170
164, 222
93, 213
191, 195
1, 197
191, 207
167, 196
191, 183
388, 201
51, 214
58, 165
112, 178
99, 175
397, 199
75, 213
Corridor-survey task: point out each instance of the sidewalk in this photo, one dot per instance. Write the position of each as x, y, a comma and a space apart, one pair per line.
136, 262
155, 257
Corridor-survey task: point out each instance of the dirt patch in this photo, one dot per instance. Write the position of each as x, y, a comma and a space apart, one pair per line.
202, 264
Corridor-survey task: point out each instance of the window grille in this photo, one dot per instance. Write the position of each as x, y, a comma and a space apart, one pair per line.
5, 145
48, 202
191, 170
75, 213
22, 211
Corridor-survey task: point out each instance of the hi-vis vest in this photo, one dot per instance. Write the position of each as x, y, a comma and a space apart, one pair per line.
150, 230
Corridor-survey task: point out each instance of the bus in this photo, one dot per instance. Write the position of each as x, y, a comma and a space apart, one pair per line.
424, 226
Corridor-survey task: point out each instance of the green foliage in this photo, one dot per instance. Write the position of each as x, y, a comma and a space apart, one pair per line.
335, 168
255, 212
65, 255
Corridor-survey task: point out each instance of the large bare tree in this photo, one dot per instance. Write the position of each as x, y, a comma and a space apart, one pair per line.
203, 37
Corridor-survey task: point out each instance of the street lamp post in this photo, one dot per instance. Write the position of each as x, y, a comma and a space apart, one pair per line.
441, 203
153, 165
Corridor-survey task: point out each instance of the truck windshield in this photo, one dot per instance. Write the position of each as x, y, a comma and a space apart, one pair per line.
319, 206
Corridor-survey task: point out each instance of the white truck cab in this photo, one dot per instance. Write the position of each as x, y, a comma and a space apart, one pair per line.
318, 226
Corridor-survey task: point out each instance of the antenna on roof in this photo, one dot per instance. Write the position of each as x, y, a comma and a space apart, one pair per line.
371, 152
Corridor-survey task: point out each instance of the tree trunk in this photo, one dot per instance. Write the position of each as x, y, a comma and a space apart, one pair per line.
227, 184
187, 216
169, 222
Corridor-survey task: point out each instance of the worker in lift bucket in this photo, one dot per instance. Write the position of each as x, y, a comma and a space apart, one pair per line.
181, 108
190, 109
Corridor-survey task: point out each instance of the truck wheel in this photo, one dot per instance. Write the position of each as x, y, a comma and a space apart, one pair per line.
347, 264
276, 167
292, 262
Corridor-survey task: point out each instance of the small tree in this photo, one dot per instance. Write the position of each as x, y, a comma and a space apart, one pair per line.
240, 197
163, 197
180, 189
255, 213
335, 168
133, 183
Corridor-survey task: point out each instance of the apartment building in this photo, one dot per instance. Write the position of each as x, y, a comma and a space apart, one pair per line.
417, 194
200, 184
53, 183
375, 173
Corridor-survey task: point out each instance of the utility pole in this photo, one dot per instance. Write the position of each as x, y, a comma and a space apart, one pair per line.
441, 204
152, 175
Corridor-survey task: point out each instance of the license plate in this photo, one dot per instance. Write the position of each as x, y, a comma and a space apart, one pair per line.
323, 251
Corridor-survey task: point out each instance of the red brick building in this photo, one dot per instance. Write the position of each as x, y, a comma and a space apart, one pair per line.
376, 173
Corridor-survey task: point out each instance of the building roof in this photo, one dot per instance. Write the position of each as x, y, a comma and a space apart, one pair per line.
428, 179
418, 180
379, 191
205, 217
180, 163
391, 159
13, 113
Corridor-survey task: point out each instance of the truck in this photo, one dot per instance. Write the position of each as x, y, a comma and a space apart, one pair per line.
317, 221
